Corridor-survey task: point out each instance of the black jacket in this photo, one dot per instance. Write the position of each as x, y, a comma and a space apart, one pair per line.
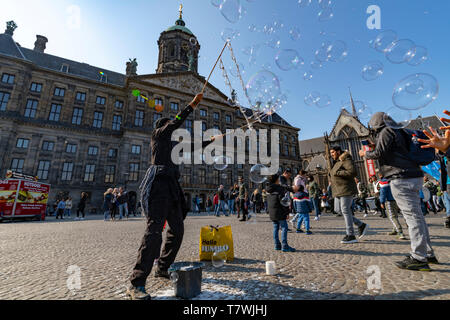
391, 151
275, 193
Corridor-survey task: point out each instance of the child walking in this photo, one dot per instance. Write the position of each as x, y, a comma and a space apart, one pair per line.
60, 209
388, 203
278, 214
303, 207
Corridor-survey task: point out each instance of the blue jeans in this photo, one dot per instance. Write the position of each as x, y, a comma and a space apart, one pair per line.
303, 216
67, 212
106, 213
123, 207
315, 202
231, 206
284, 229
220, 207
447, 203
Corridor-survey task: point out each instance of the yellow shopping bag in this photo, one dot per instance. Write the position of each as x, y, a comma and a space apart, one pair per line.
214, 239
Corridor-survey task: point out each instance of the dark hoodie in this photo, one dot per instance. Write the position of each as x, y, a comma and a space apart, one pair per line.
391, 150
275, 193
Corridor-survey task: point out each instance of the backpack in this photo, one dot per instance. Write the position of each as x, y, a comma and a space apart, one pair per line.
416, 154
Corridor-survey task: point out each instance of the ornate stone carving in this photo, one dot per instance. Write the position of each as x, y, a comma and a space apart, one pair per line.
10, 27
132, 67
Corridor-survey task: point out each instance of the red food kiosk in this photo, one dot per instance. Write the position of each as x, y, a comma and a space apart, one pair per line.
22, 197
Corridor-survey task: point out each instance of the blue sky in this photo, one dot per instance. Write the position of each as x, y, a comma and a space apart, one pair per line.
110, 32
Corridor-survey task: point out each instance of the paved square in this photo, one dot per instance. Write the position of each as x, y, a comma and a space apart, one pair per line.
35, 257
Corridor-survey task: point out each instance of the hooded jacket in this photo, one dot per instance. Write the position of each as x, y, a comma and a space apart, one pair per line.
277, 211
391, 150
342, 177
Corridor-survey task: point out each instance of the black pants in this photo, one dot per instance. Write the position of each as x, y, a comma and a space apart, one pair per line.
362, 203
161, 209
243, 210
59, 213
80, 209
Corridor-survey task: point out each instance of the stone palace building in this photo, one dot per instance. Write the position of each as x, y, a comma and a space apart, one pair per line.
79, 128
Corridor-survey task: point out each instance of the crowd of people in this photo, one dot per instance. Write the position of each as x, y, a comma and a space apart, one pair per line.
118, 201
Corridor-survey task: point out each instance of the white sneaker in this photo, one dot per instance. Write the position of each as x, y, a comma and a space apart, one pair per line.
316, 218
365, 215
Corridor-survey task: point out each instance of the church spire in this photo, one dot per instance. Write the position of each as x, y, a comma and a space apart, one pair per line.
354, 113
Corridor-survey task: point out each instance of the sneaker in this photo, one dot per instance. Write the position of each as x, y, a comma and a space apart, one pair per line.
278, 247
349, 239
413, 264
162, 274
137, 293
447, 223
432, 260
308, 232
243, 219
362, 230
288, 249
316, 218
401, 236
393, 233
365, 215
299, 231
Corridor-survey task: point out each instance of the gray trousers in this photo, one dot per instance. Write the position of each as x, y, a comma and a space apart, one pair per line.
392, 210
345, 208
406, 194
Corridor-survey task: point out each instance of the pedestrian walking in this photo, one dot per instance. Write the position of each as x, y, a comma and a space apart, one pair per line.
60, 209
81, 206
122, 200
314, 194
302, 207
243, 198
68, 209
108, 203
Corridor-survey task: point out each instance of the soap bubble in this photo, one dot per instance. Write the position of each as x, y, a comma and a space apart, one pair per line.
364, 113
294, 33
304, 3
324, 3
174, 277
216, 3
372, 71
219, 258
325, 14
256, 175
307, 75
252, 28
322, 54
420, 56
286, 200
288, 59
396, 118
401, 51
234, 72
384, 40
312, 98
263, 88
231, 10
316, 65
415, 91
221, 162
274, 42
229, 34
224, 176
337, 51
324, 101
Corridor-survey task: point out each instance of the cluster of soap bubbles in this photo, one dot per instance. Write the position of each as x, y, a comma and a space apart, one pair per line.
229, 34
233, 69
264, 92
318, 99
329, 51
399, 51
416, 91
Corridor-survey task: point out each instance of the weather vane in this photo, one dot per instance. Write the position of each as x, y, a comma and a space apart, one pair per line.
181, 11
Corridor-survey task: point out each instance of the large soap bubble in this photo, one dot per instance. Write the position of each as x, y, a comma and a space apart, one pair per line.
324, 101
420, 56
255, 174
324, 3
312, 98
229, 34
294, 33
372, 71
263, 88
216, 3
231, 10
219, 258
415, 91
401, 51
384, 40
221, 162
325, 14
396, 118
337, 51
307, 75
288, 59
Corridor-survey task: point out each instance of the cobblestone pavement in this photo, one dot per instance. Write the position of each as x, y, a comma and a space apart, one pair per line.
35, 257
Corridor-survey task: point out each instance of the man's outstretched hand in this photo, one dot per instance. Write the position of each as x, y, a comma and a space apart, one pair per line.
446, 121
435, 140
194, 103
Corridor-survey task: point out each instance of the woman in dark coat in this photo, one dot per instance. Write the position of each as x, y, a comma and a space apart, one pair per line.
82, 205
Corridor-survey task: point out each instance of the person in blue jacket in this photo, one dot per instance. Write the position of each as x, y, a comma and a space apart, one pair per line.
303, 207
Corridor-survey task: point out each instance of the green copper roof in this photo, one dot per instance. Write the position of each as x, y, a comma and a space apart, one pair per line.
180, 25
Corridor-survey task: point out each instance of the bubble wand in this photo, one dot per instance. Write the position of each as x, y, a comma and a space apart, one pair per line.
210, 74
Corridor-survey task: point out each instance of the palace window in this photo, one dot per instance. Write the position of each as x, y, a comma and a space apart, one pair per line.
67, 171
48, 146
134, 172
216, 116
109, 174
4, 98
36, 87
30, 111
228, 118
77, 116
22, 143
89, 173
80, 96
98, 119
158, 102
139, 118
135, 149
17, 165
140, 99
100, 100
55, 112
93, 151
65, 68
203, 113
203, 126
189, 125
59, 92
8, 78
118, 104
112, 153
43, 169
156, 117
71, 148
174, 106
117, 121
201, 176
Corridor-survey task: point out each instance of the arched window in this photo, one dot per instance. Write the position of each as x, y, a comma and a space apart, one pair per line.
171, 49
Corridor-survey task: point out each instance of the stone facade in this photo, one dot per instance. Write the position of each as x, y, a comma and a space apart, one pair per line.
79, 128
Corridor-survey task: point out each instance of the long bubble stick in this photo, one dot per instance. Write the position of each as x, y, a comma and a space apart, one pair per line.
245, 125
218, 58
